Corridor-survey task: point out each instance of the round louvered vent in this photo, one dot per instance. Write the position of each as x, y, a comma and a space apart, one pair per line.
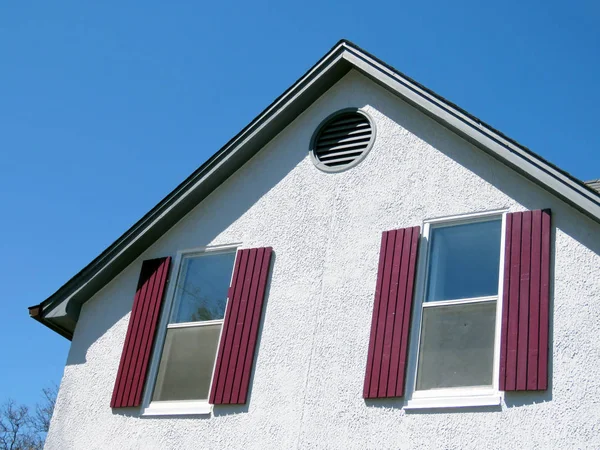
342, 140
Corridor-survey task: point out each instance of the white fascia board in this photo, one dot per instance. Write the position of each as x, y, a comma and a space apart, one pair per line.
181, 193
269, 123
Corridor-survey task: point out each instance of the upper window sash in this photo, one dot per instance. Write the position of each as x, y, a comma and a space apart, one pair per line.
200, 292
463, 260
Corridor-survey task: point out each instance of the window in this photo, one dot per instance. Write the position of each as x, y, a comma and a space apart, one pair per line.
188, 344
481, 308
458, 335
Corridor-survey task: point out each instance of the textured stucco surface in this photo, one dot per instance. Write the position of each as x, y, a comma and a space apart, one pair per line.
325, 231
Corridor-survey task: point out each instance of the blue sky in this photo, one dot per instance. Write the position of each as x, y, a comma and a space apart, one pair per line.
106, 106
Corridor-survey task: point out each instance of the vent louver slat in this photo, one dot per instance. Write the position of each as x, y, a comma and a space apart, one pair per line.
329, 156
339, 161
331, 135
355, 126
348, 120
331, 148
342, 140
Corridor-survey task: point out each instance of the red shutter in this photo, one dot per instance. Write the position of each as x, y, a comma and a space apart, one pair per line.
526, 302
140, 333
240, 330
388, 345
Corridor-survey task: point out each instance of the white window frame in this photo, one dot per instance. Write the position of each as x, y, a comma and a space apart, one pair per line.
460, 396
179, 407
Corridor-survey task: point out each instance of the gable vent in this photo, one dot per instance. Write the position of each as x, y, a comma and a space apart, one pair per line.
342, 140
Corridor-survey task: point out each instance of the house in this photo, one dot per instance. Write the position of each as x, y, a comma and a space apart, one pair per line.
365, 265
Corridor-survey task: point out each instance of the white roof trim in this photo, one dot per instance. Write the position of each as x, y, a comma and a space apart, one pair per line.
61, 310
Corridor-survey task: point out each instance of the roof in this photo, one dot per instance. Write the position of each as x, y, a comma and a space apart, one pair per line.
594, 184
60, 311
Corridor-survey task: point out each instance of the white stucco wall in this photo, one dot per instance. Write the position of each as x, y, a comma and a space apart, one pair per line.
306, 390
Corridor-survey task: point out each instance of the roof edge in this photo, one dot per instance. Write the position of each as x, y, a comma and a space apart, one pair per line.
557, 181
113, 251
341, 58
35, 312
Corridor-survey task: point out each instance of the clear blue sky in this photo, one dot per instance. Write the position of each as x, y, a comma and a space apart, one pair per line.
105, 107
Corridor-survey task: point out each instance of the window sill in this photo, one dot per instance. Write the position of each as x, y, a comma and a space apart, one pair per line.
177, 408
454, 402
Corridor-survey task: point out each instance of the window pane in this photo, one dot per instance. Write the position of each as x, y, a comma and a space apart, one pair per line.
201, 292
464, 261
187, 363
457, 346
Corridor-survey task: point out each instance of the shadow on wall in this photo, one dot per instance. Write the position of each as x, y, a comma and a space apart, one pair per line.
97, 317
246, 186
218, 410
511, 400
399, 403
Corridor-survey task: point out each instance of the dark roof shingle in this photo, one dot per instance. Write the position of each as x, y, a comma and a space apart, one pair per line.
594, 184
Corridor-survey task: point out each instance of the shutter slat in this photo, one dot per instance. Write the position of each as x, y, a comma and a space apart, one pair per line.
544, 302
534, 301
524, 283
526, 302
238, 339
513, 308
386, 359
392, 344
141, 331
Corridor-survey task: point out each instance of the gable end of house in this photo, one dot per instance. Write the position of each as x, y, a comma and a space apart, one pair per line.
60, 311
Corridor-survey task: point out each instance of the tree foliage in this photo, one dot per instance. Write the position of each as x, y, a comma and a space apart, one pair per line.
24, 428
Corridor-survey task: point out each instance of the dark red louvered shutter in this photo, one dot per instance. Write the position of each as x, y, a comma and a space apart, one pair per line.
388, 345
526, 302
131, 375
240, 329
